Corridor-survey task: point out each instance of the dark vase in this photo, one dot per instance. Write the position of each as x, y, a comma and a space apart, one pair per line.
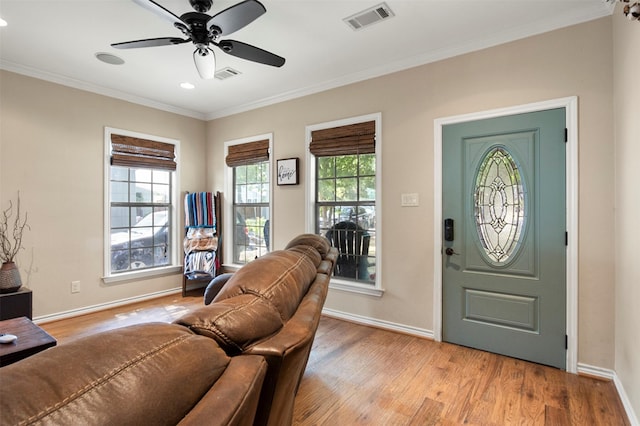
9, 278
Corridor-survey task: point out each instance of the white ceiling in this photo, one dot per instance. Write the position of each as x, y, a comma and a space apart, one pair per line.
56, 40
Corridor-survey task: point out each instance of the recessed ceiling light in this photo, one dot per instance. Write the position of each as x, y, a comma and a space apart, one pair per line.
3, 23
108, 58
187, 85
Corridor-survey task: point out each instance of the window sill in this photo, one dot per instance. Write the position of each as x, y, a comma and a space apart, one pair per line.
146, 273
353, 287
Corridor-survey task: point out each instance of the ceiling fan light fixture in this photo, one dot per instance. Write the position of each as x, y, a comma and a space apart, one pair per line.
205, 62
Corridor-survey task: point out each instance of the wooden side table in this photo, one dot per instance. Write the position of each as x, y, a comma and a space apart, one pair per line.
31, 340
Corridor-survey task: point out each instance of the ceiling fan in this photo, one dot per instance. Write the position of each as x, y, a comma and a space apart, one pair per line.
204, 30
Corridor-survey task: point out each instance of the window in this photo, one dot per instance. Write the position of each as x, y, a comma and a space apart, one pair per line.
140, 188
344, 189
500, 204
250, 170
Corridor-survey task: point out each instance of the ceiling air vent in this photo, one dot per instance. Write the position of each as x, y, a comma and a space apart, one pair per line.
370, 16
225, 73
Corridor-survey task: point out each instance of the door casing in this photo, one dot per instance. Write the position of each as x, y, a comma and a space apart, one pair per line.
571, 109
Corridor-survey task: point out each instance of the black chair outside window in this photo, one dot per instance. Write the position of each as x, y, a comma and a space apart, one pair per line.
352, 242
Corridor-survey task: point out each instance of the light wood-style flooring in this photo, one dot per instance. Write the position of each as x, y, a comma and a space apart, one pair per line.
359, 375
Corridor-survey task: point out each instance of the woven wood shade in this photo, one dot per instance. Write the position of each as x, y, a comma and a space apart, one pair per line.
248, 153
128, 151
359, 138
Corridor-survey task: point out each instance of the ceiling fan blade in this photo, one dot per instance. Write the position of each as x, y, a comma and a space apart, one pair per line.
236, 16
251, 53
159, 10
149, 42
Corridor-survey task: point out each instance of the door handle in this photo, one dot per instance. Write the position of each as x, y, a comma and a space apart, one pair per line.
450, 251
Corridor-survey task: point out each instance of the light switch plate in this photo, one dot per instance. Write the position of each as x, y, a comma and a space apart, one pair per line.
409, 200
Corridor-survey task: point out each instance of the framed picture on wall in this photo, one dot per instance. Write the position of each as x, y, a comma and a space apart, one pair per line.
287, 171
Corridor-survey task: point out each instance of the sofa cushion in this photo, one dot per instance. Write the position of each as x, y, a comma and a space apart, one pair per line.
316, 241
113, 378
282, 277
309, 251
234, 323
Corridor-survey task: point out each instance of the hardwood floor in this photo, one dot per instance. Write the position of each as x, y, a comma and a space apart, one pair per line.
360, 375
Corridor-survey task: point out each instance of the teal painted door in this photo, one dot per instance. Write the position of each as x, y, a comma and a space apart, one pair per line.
504, 241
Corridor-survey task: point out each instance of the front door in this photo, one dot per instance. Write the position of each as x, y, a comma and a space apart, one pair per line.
504, 249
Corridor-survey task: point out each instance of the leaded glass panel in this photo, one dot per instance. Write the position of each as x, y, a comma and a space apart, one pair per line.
499, 205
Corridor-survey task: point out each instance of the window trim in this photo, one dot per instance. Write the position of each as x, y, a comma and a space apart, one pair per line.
175, 213
310, 199
228, 225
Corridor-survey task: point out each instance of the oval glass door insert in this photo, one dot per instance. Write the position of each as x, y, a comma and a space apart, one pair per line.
499, 205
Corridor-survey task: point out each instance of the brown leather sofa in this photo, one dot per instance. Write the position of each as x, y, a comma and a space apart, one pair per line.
237, 361
155, 374
271, 307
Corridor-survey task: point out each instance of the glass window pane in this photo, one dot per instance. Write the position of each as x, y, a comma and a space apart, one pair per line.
367, 164
326, 167
120, 173
141, 216
240, 173
346, 189
120, 260
346, 165
264, 189
119, 239
240, 195
119, 192
161, 176
160, 256
141, 175
141, 258
140, 193
160, 236
367, 188
160, 193
326, 190
254, 193
119, 217
252, 173
325, 218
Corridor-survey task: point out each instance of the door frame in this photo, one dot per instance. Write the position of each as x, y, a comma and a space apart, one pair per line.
571, 110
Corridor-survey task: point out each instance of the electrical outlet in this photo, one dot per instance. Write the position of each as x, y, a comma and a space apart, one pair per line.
75, 286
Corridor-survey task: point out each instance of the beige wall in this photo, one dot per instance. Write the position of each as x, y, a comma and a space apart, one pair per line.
567, 62
626, 63
52, 151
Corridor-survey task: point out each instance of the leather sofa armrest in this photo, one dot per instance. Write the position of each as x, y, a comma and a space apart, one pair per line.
214, 287
233, 399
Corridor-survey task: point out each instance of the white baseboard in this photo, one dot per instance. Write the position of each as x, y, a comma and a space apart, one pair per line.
593, 371
387, 325
102, 306
631, 414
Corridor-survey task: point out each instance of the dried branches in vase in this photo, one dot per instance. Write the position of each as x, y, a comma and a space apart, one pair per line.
11, 232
